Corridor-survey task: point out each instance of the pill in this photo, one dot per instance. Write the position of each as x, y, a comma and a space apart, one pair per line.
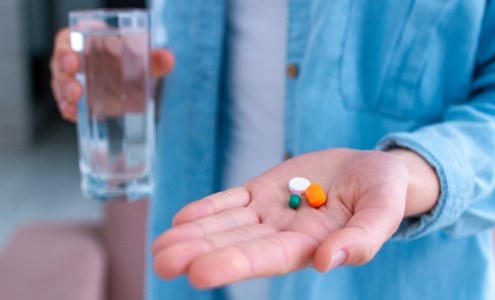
298, 185
294, 201
315, 195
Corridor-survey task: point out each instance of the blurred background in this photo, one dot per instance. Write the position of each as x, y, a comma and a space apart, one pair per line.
39, 176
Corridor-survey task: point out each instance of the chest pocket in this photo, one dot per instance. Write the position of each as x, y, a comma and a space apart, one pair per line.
385, 53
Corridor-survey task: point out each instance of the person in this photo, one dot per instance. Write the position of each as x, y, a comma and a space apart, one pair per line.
389, 105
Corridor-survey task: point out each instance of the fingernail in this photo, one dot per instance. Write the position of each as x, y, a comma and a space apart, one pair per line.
337, 259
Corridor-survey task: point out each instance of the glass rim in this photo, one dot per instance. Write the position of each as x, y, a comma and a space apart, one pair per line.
108, 12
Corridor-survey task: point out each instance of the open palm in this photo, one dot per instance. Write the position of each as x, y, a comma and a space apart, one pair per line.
251, 231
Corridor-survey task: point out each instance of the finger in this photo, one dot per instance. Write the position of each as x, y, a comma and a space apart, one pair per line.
68, 111
69, 62
62, 38
66, 88
276, 254
211, 205
112, 47
67, 91
359, 241
226, 220
162, 62
174, 260
64, 59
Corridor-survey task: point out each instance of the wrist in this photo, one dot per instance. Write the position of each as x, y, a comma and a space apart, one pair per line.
423, 189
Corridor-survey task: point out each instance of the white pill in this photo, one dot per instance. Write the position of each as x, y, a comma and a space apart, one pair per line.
298, 185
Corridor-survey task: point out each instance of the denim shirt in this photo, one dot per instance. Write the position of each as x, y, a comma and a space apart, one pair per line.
418, 74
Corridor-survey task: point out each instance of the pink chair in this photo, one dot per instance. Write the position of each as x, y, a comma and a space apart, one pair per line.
60, 261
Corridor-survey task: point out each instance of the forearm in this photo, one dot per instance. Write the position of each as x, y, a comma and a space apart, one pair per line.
424, 188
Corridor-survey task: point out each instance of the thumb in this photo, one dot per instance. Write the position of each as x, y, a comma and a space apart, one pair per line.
162, 62
347, 246
358, 242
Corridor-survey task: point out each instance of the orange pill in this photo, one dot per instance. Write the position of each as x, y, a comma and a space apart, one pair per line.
315, 195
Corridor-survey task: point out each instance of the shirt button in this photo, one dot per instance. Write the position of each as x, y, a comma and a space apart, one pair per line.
293, 70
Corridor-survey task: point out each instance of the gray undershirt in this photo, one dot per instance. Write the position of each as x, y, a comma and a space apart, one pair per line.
256, 91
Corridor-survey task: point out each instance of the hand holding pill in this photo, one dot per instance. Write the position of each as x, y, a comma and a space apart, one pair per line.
252, 231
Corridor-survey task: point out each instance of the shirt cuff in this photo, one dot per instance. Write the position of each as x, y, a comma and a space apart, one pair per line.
455, 175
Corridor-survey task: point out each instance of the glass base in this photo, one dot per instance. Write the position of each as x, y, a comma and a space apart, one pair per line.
111, 190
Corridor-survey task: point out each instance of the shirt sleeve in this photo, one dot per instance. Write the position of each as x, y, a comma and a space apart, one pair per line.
461, 148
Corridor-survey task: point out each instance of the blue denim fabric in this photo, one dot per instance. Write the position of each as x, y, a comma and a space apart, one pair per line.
418, 74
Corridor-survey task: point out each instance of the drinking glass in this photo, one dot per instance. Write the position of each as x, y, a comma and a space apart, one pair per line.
115, 120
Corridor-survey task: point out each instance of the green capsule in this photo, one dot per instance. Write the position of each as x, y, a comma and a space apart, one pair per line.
294, 201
